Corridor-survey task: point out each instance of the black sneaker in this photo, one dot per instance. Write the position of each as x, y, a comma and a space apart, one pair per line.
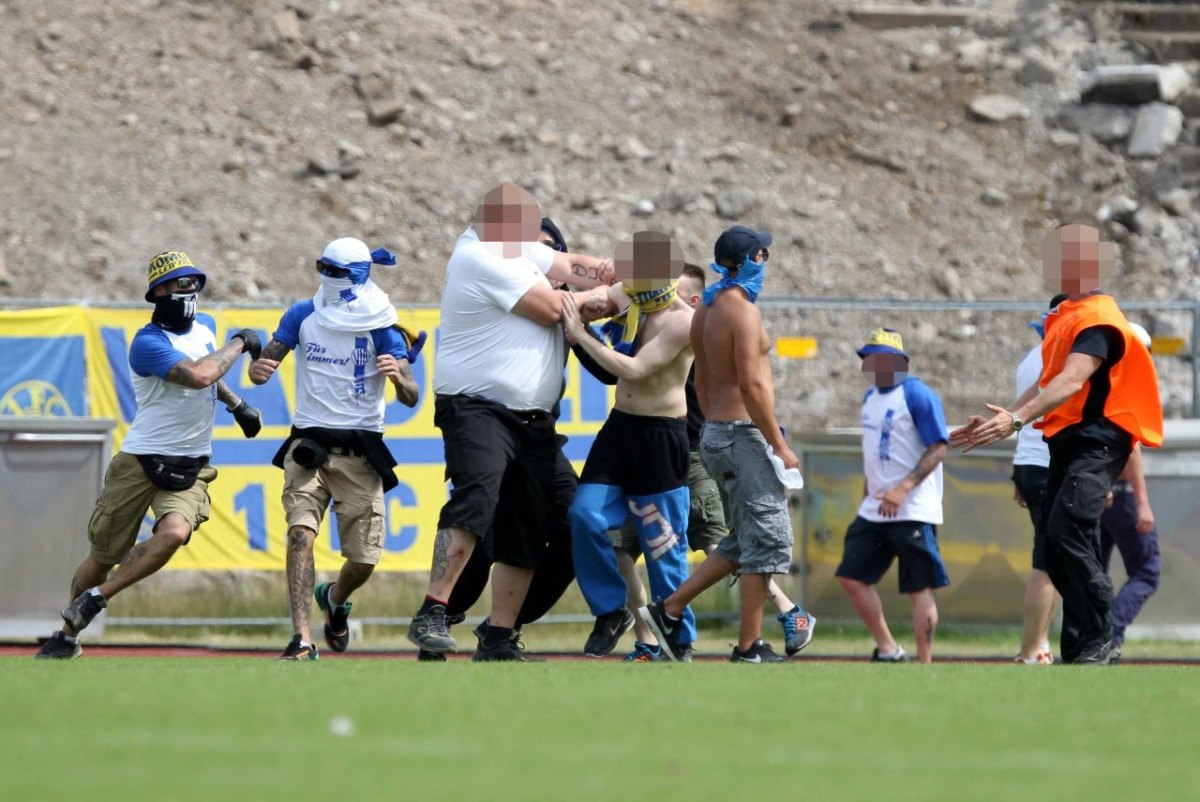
81, 611
1099, 656
454, 619
508, 650
297, 651
607, 632
57, 647
429, 631
424, 656
759, 652
686, 653
337, 618
897, 656
666, 630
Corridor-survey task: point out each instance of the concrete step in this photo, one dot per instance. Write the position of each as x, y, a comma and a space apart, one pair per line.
1177, 17
882, 18
1167, 45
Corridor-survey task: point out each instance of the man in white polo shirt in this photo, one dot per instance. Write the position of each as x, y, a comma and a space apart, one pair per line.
497, 375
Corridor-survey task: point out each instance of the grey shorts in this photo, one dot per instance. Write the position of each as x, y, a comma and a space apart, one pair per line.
706, 518
760, 538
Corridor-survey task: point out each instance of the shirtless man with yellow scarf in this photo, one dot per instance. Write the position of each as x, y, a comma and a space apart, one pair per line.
639, 462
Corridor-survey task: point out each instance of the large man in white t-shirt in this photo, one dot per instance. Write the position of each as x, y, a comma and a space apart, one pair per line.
497, 375
176, 370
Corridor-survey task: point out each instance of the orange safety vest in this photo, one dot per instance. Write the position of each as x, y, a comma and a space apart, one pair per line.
1133, 403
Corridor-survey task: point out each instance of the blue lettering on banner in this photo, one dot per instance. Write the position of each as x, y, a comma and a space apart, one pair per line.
401, 497
250, 501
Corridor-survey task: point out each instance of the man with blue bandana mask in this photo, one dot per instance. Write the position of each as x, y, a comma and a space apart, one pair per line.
350, 346
739, 439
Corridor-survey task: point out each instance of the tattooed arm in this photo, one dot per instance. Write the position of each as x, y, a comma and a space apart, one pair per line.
265, 366
581, 271
206, 371
891, 501
399, 372
226, 396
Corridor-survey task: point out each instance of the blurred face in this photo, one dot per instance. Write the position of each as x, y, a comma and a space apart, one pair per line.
508, 217
884, 370
650, 261
1075, 261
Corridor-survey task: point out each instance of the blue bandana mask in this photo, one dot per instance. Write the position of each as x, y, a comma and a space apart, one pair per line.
749, 279
343, 288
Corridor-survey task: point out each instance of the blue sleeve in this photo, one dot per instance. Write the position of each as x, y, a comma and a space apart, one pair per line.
926, 410
288, 332
389, 341
206, 320
151, 353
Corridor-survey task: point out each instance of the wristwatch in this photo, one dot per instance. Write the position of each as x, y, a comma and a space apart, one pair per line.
1017, 423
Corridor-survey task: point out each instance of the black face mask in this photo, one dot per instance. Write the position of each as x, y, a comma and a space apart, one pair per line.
175, 312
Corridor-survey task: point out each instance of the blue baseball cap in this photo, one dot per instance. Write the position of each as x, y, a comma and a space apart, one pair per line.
736, 242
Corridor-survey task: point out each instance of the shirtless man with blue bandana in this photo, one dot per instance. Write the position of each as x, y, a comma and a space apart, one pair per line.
737, 396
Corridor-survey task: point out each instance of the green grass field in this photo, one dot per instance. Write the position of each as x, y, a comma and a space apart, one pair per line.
253, 729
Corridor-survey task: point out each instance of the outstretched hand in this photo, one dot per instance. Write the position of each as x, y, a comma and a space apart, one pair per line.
981, 431
571, 320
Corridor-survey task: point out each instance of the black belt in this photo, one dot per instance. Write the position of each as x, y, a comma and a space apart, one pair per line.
342, 451
533, 416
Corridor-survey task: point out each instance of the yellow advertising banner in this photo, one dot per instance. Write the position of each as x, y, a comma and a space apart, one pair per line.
73, 361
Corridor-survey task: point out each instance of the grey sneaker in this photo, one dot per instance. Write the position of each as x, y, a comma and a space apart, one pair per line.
797, 629
57, 647
759, 652
429, 631
666, 630
81, 611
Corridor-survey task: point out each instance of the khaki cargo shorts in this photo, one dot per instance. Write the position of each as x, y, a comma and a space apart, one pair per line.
357, 495
124, 499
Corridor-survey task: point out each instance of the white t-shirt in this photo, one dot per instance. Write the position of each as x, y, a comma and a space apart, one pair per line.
898, 425
1031, 448
339, 385
486, 350
171, 419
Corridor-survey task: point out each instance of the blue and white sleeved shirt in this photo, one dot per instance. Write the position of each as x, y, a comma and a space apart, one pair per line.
338, 384
899, 423
171, 419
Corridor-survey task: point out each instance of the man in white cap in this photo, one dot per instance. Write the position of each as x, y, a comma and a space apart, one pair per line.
163, 461
350, 348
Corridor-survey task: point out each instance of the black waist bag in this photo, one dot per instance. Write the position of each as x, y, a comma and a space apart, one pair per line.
172, 473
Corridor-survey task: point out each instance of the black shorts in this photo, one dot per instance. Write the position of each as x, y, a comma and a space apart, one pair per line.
871, 546
1030, 481
641, 454
501, 464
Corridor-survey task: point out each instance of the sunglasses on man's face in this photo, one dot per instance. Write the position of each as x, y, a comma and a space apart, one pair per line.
765, 254
187, 283
331, 271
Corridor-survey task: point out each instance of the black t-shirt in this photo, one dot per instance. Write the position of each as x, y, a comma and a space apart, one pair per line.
1107, 344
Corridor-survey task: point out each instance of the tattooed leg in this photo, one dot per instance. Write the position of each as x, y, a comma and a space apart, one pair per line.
925, 619
171, 532
301, 577
451, 549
